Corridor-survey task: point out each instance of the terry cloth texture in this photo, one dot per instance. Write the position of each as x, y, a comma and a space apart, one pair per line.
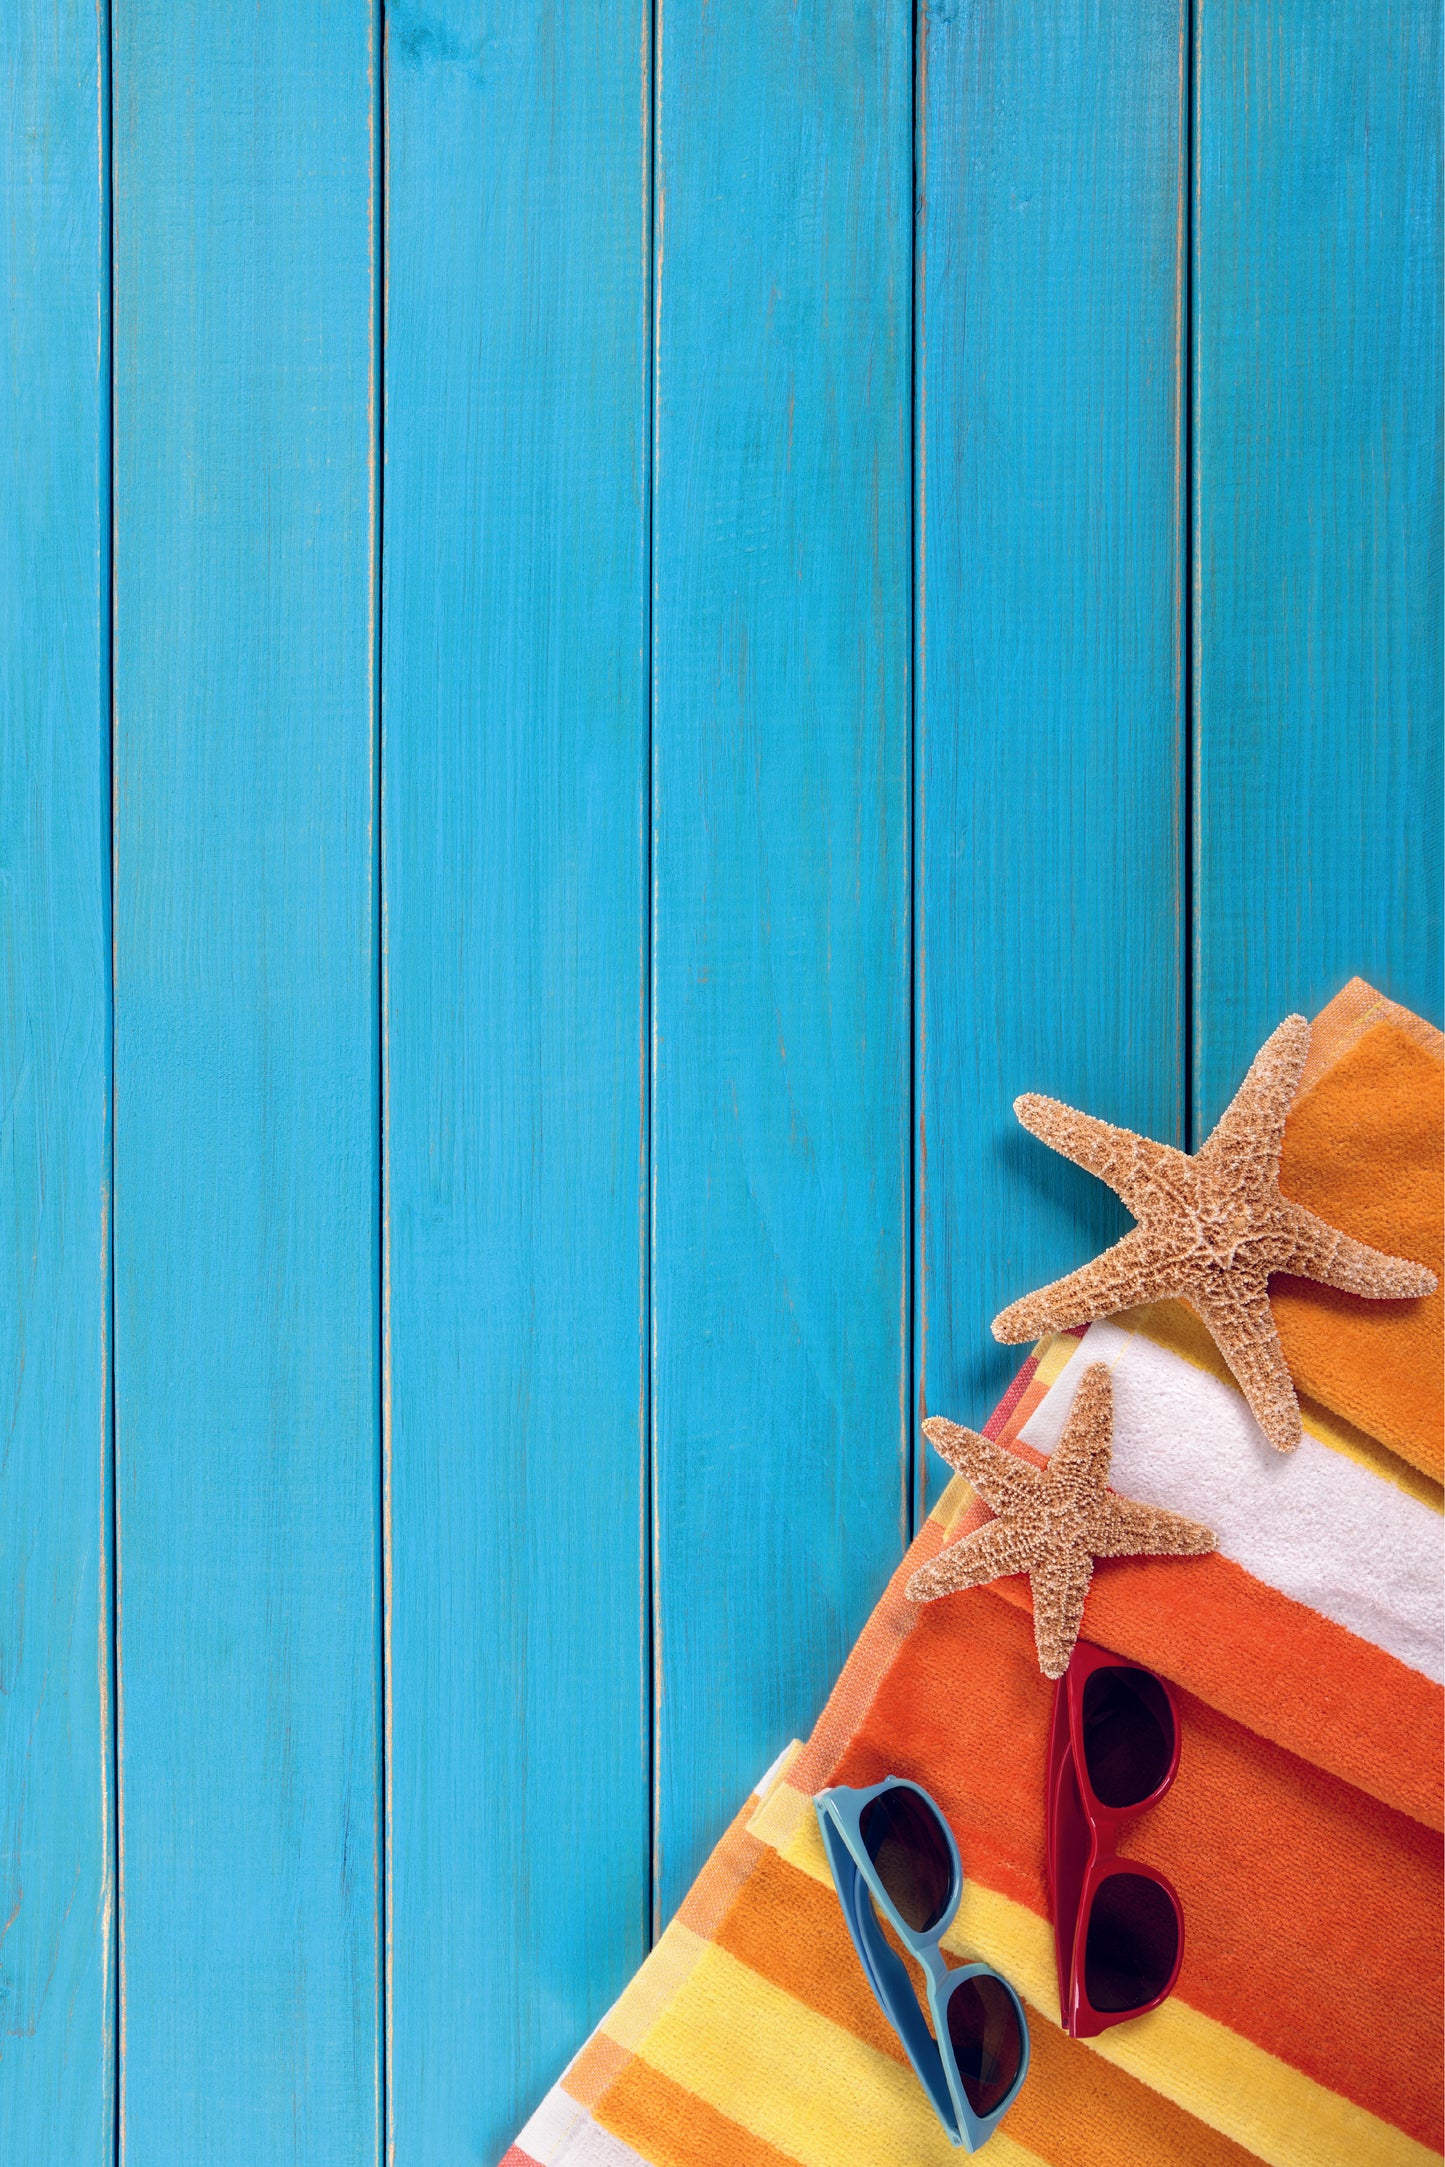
1365, 1149
1303, 1833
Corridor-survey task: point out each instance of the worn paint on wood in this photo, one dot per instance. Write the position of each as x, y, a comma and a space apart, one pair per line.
57, 1879
1317, 651
247, 1235
780, 877
1050, 698
515, 793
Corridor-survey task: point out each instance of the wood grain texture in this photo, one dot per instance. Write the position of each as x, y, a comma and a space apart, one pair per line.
515, 795
781, 877
1049, 593
517, 1135
1318, 514
247, 1183
57, 1879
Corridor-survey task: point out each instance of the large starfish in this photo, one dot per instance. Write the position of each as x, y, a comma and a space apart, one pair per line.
1052, 1522
1212, 1228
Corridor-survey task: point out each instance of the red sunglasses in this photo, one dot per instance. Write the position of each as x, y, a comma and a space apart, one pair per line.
1118, 1924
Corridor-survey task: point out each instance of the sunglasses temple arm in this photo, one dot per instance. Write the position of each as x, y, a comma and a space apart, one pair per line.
894, 1989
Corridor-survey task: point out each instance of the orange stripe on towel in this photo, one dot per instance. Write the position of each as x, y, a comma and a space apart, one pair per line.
672, 2127
1278, 1667
1363, 1148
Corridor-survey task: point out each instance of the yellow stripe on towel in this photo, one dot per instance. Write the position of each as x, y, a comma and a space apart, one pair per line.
796, 2079
653, 1985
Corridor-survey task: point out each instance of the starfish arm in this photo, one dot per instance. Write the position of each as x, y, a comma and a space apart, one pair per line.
1001, 1479
1123, 1528
1059, 1584
1322, 1252
1081, 1457
1242, 1328
989, 1553
1250, 1131
1130, 1164
1117, 1280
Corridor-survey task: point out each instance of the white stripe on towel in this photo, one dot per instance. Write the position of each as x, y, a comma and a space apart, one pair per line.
562, 2134
1318, 1526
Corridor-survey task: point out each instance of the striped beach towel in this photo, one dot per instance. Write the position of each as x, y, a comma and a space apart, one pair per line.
1303, 1834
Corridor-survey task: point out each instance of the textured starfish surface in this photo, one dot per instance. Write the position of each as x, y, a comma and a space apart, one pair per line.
1052, 1522
1211, 1229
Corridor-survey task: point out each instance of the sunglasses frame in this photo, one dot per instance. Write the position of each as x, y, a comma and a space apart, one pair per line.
1105, 1825
840, 1812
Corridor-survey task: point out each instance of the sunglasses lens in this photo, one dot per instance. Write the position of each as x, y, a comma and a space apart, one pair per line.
910, 1852
1128, 1735
983, 2029
1133, 1943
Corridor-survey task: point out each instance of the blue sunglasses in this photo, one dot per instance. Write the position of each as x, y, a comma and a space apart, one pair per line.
890, 1846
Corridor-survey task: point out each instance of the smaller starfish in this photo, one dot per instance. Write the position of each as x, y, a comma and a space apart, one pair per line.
1212, 1228
1052, 1522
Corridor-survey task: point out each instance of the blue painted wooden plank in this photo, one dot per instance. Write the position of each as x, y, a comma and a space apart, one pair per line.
1049, 615
57, 1879
515, 813
781, 876
247, 1234
1318, 515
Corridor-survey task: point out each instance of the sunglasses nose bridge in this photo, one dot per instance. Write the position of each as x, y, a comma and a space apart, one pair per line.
1109, 1824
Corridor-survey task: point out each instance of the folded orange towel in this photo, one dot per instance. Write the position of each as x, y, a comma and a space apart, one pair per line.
1365, 1148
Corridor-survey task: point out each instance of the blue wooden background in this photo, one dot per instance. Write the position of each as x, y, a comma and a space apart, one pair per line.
617, 623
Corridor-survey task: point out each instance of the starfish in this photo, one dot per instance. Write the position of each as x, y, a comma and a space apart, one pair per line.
1052, 1522
1211, 1229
